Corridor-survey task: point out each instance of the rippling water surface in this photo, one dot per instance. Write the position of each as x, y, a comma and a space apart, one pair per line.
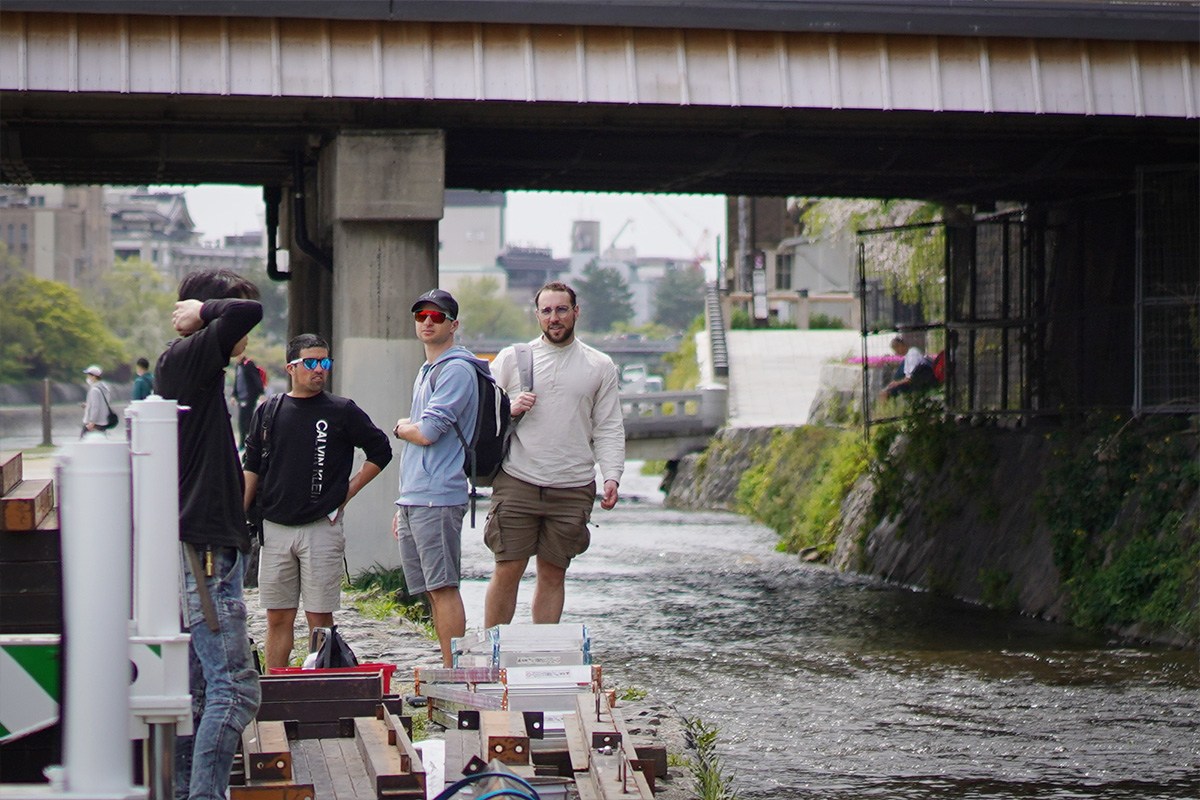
831, 685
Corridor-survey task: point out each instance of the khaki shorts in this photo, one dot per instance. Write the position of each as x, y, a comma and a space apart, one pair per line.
526, 520
302, 560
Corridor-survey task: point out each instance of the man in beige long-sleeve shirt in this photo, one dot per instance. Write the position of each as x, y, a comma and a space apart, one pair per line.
564, 425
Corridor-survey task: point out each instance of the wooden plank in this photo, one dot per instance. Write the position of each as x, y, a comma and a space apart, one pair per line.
315, 767
289, 792
612, 773
31, 613
576, 745
25, 546
266, 752
316, 710
460, 746
385, 764
356, 770
335, 758
27, 504
503, 736
29, 577
10, 471
365, 686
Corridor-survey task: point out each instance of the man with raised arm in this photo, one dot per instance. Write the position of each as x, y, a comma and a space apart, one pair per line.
215, 313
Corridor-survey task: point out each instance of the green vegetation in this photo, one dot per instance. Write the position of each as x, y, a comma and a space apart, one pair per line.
47, 331
1116, 498
711, 782
604, 298
683, 371
135, 301
486, 311
740, 320
381, 594
819, 321
632, 694
679, 297
798, 484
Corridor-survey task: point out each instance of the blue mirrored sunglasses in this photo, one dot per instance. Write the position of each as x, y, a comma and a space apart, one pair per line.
312, 363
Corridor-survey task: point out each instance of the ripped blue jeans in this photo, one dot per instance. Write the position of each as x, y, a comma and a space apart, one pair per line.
224, 683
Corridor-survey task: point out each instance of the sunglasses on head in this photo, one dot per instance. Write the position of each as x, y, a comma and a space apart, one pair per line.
437, 316
312, 363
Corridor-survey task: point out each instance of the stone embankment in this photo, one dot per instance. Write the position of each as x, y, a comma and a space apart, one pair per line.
973, 528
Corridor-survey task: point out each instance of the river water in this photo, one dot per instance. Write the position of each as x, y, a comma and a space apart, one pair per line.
830, 685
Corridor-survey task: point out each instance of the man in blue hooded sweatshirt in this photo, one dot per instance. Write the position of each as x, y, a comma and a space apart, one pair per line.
433, 486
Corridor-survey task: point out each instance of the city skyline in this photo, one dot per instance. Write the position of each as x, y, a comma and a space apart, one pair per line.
656, 225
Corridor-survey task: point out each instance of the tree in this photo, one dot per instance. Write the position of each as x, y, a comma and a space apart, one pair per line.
604, 297
46, 330
484, 311
135, 301
679, 297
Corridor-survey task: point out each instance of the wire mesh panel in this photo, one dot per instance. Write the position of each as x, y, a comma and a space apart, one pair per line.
1168, 313
903, 292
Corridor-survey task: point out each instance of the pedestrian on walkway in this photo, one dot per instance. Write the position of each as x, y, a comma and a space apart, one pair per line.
143, 384
97, 405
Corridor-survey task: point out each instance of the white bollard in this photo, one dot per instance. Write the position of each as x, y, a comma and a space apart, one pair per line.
154, 445
96, 523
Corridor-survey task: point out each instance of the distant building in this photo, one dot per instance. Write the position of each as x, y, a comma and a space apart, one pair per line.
151, 226
58, 233
471, 238
530, 268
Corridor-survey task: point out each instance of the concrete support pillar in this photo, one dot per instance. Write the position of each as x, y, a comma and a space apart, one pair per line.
381, 198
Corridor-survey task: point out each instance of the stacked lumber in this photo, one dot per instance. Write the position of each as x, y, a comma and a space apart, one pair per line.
328, 736
30, 552
31, 621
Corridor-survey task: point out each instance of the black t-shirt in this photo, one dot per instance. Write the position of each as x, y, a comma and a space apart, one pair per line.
312, 452
192, 372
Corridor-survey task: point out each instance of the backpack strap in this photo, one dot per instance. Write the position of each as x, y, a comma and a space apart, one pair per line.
524, 353
468, 452
269, 410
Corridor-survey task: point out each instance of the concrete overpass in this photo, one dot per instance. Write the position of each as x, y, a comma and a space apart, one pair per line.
361, 113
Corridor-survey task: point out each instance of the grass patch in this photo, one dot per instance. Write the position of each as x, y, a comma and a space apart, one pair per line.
708, 775
632, 694
797, 485
380, 593
1119, 501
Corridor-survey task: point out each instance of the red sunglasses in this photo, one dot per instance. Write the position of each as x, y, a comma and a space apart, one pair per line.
437, 316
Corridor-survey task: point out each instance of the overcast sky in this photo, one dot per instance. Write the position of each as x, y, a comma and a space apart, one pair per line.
660, 225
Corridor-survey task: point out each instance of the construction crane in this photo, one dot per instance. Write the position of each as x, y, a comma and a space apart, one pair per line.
612, 245
699, 254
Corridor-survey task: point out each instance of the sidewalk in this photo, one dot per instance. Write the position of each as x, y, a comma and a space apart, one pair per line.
774, 374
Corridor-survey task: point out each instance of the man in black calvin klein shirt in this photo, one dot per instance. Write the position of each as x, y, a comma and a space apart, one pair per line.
305, 488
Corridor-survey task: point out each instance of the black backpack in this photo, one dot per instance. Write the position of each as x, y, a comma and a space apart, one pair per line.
485, 450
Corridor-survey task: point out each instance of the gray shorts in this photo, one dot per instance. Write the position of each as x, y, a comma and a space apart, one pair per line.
430, 546
302, 560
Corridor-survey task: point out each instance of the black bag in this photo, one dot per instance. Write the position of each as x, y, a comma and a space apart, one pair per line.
331, 649
488, 445
113, 420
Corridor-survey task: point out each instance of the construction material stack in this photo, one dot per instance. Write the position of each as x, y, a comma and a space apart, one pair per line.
31, 625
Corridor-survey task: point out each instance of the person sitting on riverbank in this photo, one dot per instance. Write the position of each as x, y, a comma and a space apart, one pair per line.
914, 374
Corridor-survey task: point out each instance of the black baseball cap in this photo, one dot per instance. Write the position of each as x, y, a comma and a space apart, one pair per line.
440, 298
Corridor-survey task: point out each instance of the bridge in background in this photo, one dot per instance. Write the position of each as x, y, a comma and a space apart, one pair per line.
355, 116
